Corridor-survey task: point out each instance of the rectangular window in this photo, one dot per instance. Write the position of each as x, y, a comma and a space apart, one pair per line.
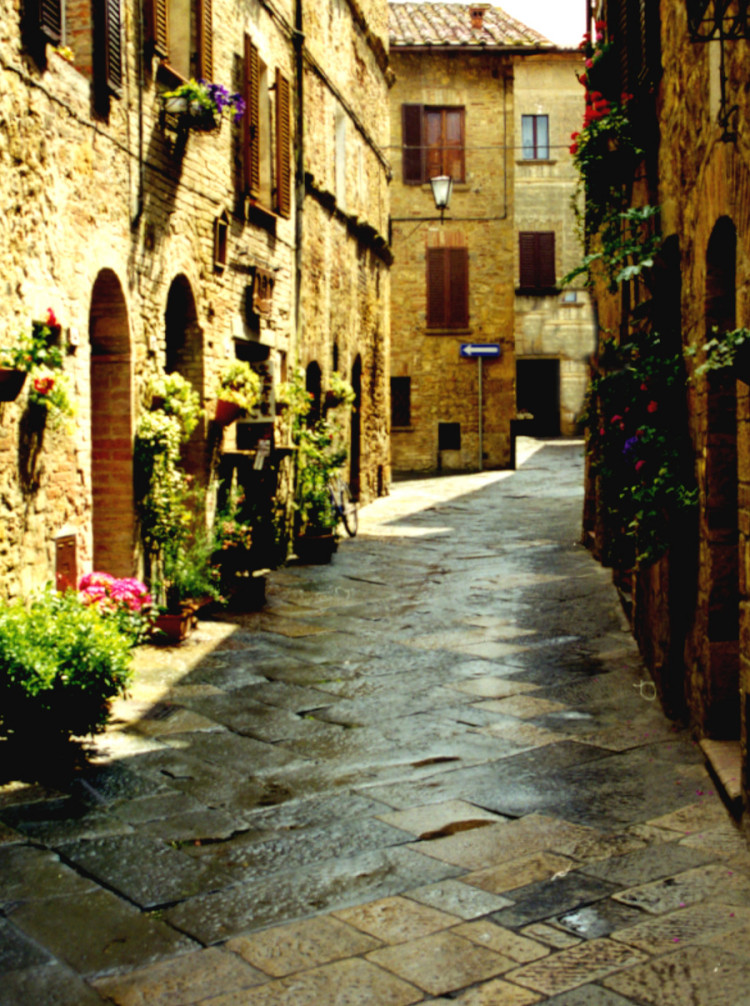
181, 34
537, 260
433, 142
267, 165
535, 137
447, 288
449, 436
400, 401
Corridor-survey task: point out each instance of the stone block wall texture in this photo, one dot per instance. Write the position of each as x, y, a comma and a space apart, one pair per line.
702, 183
444, 387
549, 327
108, 216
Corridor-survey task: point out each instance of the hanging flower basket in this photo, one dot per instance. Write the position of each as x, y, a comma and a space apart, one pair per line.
203, 119
11, 383
227, 412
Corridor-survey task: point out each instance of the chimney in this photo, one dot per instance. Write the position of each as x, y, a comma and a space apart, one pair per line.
476, 12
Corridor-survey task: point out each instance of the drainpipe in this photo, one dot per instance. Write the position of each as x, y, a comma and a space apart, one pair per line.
299, 166
141, 84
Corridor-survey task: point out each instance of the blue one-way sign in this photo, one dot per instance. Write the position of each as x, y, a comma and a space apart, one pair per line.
480, 349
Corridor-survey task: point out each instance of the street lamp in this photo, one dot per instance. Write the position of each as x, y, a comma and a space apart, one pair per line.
442, 187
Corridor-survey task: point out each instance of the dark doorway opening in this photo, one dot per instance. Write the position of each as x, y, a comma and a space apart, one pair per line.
538, 395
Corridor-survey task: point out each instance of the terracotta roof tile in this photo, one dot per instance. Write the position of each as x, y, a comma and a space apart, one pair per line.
450, 24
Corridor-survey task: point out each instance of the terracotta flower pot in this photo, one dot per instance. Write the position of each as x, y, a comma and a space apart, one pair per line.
227, 412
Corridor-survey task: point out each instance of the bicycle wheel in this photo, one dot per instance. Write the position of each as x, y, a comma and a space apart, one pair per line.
347, 508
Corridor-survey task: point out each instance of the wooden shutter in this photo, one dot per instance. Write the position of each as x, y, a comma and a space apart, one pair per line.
412, 121
48, 17
251, 120
527, 259
113, 46
205, 40
546, 258
453, 143
283, 143
160, 27
447, 287
458, 288
437, 275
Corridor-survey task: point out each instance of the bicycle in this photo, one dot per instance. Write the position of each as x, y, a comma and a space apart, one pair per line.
343, 505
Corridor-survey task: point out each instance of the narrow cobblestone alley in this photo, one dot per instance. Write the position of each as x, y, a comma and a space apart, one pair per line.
433, 771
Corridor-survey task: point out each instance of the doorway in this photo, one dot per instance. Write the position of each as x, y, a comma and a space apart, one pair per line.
538, 395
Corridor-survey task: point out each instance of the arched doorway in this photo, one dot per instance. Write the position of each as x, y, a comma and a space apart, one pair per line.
719, 531
355, 433
184, 356
113, 512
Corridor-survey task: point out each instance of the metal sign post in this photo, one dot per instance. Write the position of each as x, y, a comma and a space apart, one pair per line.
478, 351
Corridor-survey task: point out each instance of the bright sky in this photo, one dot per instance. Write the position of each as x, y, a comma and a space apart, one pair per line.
562, 21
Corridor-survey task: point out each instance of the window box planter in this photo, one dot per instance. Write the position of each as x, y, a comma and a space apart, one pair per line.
227, 412
11, 383
171, 627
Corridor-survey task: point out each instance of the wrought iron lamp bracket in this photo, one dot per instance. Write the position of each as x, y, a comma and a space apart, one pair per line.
720, 21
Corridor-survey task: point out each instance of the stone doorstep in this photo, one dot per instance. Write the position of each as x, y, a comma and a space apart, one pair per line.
724, 761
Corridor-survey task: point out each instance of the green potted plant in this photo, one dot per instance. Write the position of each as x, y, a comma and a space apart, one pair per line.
62, 661
36, 354
201, 104
239, 392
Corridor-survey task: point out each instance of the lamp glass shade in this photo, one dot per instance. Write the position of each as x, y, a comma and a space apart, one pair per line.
442, 186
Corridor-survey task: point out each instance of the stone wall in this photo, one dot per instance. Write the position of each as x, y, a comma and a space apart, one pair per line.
552, 327
108, 217
445, 387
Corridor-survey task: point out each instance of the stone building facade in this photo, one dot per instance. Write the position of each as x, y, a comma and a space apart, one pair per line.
462, 96
691, 608
554, 332
161, 247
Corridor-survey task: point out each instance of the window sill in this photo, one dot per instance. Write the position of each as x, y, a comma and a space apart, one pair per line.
402, 429
536, 160
260, 215
538, 291
448, 331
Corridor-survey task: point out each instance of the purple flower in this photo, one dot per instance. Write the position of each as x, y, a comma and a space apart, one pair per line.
629, 447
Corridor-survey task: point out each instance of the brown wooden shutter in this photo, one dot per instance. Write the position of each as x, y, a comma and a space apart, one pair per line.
251, 120
113, 46
412, 128
157, 13
453, 159
457, 308
527, 258
49, 19
437, 278
546, 258
205, 40
283, 143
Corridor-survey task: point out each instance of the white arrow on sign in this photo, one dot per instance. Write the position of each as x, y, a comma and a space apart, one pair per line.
475, 349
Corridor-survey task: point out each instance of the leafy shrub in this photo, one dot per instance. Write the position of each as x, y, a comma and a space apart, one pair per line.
61, 661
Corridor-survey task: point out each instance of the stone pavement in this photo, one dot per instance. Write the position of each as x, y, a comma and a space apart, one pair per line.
431, 772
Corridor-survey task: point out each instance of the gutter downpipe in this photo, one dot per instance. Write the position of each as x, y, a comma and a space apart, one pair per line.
298, 40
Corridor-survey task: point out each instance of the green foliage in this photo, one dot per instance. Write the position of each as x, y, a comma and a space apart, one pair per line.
61, 661
240, 384
639, 450
187, 568
35, 348
724, 348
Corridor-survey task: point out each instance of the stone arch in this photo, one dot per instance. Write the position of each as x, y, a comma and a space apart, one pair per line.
184, 355
113, 511
355, 430
719, 516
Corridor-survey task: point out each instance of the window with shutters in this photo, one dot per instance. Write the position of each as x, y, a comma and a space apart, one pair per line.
400, 401
181, 34
433, 143
537, 261
266, 135
535, 137
447, 288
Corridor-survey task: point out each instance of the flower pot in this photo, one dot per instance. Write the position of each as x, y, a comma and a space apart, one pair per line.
172, 627
227, 412
202, 118
315, 548
11, 382
176, 104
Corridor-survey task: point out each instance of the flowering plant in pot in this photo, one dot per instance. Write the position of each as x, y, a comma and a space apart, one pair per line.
35, 352
125, 600
239, 391
202, 104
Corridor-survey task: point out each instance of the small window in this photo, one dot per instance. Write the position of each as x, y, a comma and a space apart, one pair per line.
570, 297
447, 287
535, 137
449, 436
433, 142
400, 401
181, 33
537, 260
221, 229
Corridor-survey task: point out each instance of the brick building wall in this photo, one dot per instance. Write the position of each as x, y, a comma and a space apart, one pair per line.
554, 332
108, 216
443, 387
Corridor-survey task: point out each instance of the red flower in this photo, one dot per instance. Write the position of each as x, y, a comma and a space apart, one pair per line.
51, 319
43, 385
644, 386
639, 465
652, 406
